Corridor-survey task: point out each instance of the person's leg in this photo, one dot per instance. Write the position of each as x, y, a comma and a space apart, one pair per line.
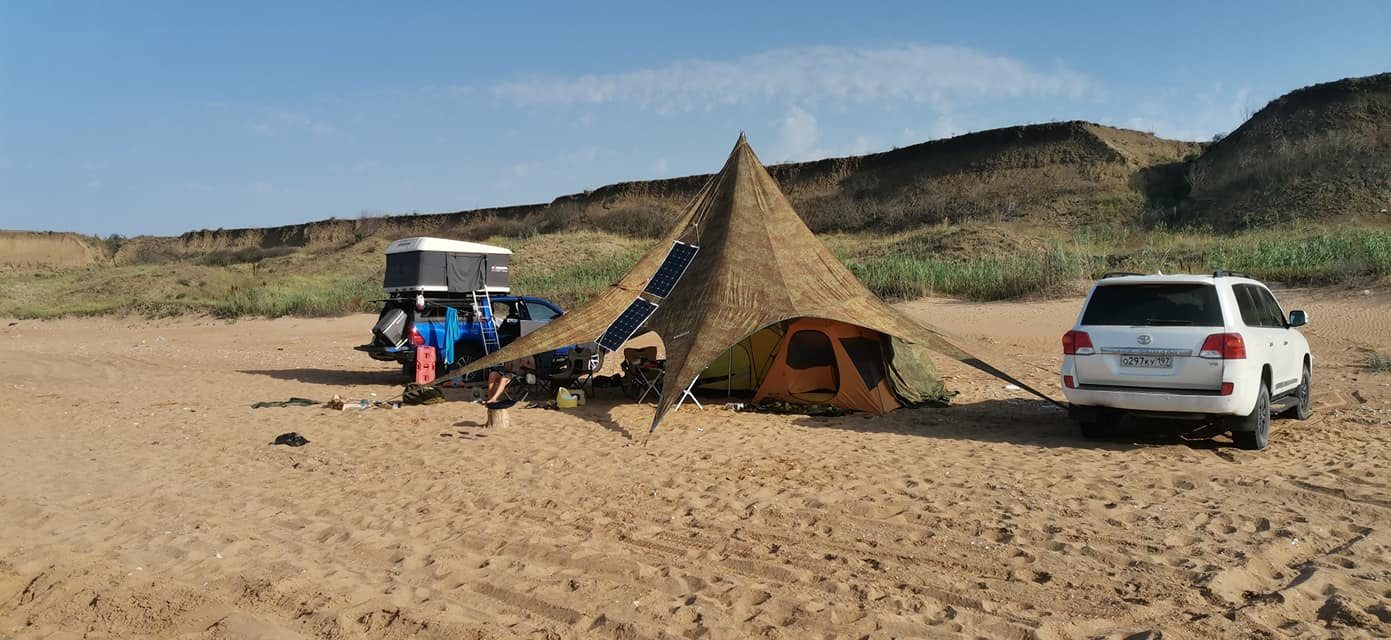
501, 385
493, 377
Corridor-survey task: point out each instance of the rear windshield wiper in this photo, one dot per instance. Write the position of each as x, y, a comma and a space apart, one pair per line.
1156, 322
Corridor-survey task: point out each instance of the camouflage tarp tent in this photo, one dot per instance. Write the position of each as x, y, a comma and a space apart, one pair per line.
758, 265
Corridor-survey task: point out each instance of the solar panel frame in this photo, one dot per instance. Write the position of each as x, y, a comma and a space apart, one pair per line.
678, 260
626, 324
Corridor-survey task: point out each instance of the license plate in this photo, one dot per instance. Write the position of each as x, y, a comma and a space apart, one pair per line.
1147, 362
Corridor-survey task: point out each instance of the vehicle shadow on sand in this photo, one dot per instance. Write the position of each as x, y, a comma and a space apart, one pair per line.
1023, 422
333, 377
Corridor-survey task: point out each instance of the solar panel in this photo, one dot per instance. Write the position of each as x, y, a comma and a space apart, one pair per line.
627, 324
675, 265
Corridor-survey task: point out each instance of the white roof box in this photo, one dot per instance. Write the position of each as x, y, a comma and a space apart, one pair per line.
442, 244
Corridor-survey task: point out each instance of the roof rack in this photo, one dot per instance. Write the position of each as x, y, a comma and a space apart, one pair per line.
1119, 274
1224, 273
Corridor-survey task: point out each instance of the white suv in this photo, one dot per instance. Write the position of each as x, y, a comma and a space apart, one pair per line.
1190, 347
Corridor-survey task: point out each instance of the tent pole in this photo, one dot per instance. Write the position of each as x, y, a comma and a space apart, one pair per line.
687, 394
729, 373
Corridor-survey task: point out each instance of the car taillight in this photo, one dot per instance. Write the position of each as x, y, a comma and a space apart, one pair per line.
416, 338
1069, 382
1077, 343
1224, 346
1227, 388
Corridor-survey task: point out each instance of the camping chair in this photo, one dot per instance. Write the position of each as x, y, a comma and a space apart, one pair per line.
585, 362
530, 385
642, 373
527, 383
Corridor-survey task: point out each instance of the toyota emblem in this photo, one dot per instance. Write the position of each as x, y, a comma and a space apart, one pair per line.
1143, 339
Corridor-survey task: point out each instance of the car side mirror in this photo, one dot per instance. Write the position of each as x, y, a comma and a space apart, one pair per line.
1298, 318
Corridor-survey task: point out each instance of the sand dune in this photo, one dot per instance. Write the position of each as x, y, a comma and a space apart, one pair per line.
139, 497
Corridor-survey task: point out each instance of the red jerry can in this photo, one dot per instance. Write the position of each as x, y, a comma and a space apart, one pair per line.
424, 364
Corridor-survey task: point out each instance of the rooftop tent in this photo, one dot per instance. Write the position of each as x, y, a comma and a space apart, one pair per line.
438, 264
748, 263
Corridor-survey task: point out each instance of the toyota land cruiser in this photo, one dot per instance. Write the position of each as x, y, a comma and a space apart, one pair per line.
1197, 347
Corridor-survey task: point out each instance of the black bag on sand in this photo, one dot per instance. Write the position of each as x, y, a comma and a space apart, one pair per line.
416, 393
292, 439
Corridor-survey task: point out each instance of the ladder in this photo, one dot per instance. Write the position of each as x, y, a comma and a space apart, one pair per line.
483, 311
487, 330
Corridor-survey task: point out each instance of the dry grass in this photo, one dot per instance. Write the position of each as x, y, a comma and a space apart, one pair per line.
1377, 362
974, 261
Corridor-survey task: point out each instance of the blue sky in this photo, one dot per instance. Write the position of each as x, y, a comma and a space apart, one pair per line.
163, 117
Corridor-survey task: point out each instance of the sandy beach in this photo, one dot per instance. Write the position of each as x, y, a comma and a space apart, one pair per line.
140, 498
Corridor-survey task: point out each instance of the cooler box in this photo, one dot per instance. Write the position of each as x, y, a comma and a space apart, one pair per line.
390, 330
424, 364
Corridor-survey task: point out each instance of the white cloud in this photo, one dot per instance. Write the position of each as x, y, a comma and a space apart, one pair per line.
799, 134
269, 188
586, 154
1165, 128
1205, 113
523, 169
660, 167
287, 121
918, 73
316, 127
863, 145
943, 127
1241, 106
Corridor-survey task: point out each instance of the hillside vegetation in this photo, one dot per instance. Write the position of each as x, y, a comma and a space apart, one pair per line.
1297, 194
1320, 153
979, 262
1074, 173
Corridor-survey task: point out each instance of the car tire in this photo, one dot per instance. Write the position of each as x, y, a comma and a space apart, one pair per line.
1252, 432
1304, 408
1093, 430
465, 356
1098, 425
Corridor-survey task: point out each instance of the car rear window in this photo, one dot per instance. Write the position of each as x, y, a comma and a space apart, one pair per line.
1154, 305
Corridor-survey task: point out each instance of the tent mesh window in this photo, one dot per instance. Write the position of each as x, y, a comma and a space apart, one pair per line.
868, 358
807, 350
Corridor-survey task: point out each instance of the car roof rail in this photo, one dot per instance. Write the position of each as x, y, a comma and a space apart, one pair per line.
1119, 274
1226, 273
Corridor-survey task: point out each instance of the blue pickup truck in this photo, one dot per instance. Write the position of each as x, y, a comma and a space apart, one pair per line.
402, 327
430, 279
